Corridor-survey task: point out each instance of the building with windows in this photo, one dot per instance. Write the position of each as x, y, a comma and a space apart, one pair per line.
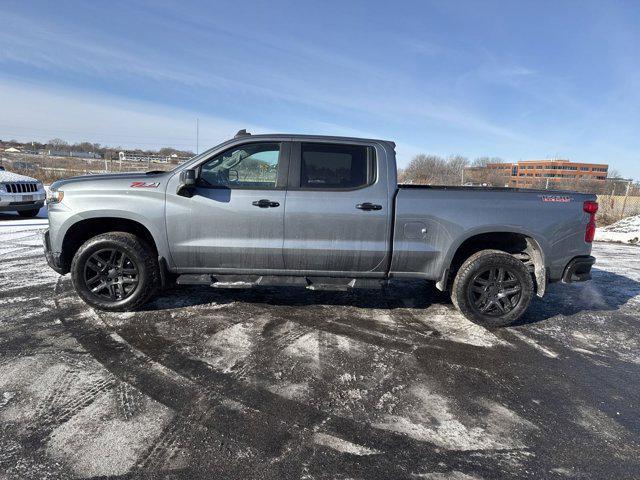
534, 173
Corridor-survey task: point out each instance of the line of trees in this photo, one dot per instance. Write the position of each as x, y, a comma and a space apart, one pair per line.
453, 170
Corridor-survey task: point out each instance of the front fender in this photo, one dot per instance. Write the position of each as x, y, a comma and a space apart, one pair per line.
61, 224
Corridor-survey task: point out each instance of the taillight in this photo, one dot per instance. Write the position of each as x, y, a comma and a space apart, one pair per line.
591, 208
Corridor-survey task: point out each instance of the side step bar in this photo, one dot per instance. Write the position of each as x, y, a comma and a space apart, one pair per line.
311, 283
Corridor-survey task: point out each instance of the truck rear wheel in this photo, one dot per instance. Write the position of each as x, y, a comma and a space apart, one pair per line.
115, 271
492, 288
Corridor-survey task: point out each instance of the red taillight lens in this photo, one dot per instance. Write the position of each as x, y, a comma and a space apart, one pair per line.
591, 208
590, 232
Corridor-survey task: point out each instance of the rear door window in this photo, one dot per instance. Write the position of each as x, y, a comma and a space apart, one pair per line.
332, 166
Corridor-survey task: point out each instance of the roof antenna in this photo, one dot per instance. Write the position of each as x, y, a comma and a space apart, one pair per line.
242, 133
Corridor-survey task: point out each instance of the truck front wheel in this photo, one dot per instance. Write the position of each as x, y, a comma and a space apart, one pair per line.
115, 271
492, 288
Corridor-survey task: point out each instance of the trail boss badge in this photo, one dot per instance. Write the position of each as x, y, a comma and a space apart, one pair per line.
556, 198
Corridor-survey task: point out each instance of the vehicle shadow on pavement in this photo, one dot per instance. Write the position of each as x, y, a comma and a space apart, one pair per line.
560, 299
572, 299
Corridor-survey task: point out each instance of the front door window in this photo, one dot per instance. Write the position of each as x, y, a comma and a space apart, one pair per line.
253, 166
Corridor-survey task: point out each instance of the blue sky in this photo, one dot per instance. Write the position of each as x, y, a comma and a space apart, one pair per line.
518, 80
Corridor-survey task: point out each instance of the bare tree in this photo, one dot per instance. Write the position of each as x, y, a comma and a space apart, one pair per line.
57, 143
481, 174
484, 161
434, 170
613, 173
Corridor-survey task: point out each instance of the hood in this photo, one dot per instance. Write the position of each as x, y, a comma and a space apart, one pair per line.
10, 177
129, 176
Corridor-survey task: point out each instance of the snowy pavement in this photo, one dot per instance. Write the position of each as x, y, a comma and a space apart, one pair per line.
288, 383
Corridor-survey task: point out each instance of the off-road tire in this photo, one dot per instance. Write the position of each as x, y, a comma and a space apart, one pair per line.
137, 250
474, 265
29, 213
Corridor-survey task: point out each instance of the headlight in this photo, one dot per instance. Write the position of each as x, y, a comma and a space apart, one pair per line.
55, 196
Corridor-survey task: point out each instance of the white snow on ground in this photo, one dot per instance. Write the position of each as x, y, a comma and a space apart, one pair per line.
626, 230
431, 417
341, 445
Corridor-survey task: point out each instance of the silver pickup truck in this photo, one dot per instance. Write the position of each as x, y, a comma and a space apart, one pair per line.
317, 212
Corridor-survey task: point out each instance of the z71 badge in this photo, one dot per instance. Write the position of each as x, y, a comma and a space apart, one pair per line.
145, 185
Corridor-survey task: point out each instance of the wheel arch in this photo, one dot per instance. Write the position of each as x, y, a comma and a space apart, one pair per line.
524, 245
86, 228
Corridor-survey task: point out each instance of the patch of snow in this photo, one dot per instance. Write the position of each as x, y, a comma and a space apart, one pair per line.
8, 177
434, 420
6, 398
455, 327
305, 348
530, 341
342, 445
231, 345
453, 475
95, 442
626, 230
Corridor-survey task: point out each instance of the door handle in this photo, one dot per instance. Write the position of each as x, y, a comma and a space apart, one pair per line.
264, 203
368, 206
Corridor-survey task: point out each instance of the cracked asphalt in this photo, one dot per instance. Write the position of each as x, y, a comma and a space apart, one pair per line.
289, 383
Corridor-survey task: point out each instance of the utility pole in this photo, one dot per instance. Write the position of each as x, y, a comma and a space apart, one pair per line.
197, 136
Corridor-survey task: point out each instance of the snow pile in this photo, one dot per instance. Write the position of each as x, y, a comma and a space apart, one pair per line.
626, 230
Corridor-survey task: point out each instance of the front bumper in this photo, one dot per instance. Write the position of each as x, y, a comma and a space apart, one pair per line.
18, 202
53, 259
20, 206
578, 269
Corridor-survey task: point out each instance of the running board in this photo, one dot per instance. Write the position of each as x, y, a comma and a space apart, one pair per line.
311, 283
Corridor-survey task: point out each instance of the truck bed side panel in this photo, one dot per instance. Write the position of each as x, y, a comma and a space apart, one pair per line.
431, 224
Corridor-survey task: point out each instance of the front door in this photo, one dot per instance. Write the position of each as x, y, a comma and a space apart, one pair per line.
235, 219
338, 217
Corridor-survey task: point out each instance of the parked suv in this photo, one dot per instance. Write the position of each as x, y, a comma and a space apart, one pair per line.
317, 212
21, 194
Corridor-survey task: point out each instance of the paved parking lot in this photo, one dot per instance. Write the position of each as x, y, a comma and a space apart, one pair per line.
288, 383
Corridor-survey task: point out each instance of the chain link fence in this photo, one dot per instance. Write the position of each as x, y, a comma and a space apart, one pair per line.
616, 207
48, 169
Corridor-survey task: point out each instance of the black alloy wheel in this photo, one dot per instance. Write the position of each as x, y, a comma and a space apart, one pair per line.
110, 274
493, 288
495, 291
115, 271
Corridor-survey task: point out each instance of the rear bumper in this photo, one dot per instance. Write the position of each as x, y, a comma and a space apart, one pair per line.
53, 259
578, 269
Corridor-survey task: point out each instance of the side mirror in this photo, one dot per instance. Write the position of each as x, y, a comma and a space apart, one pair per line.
187, 182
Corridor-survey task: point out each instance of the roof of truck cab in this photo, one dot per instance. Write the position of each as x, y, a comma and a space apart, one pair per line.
300, 137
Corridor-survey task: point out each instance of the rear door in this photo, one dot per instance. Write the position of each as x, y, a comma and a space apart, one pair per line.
337, 218
235, 219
